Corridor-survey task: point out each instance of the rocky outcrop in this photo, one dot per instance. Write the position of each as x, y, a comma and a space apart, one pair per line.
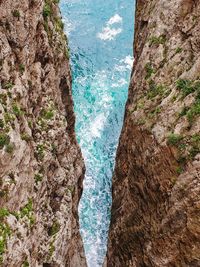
41, 166
156, 184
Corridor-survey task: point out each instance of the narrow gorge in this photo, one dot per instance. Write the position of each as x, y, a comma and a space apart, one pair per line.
74, 192
100, 40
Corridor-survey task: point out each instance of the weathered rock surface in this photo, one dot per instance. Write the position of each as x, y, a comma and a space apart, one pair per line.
156, 183
41, 166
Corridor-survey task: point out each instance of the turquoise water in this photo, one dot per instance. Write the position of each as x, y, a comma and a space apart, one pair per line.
100, 38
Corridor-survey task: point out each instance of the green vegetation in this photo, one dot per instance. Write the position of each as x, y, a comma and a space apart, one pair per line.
178, 50
141, 121
187, 87
47, 114
16, 13
8, 117
10, 148
38, 178
140, 104
149, 70
3, 213
184, 111
51, 249
179, 170
195, 145
27, 211
59, 25
16, 109
3, 99
40, 151
27, 208
156, 40
193, 112
67, 52
188, 147
25, 137
4, 140
21, 68
155, 112
5, 231
155, 90
174, 139
25, 264
8, 85
2, 124
54, 229
47, 10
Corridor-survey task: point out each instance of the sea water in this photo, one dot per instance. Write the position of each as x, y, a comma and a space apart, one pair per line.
100, 37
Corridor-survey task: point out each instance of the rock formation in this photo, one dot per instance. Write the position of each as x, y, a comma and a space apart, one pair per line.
41, 166
156, 184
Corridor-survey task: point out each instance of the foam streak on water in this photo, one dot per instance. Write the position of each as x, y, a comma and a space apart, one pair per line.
100, 35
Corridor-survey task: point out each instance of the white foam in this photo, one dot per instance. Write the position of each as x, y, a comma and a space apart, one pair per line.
109, 32
129, 62
97, 125
125, 63
115, 19
69, 27
120, 83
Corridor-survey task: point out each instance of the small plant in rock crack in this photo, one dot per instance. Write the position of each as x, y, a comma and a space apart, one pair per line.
157, 40
8, 85
59, 25
25, 264
174, 139
16, 13
193, 112
26, 137
21, 68
4, 140
187, 87
179, 170
3, 99
149, 70
179, 50
54, 229
2, 124
17, 110
3, 213
155, 90
8, 118
184, 111
38, 178
40, 151
47, 10
10, 148
195, 145
5, 231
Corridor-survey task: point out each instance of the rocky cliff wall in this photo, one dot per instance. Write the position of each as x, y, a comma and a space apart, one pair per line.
41, 166
156, 183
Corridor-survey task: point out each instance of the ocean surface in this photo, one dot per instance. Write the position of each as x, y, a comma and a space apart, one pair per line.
101, 42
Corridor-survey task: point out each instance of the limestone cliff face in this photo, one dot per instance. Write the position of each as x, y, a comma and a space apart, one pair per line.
41, 166
156, 183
